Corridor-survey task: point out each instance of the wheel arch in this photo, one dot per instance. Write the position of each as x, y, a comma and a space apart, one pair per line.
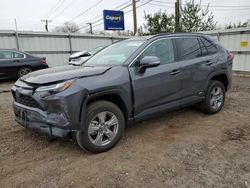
113, 96
221, 77
23, 66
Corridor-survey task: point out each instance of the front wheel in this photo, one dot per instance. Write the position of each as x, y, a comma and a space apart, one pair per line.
215, 98
103, 129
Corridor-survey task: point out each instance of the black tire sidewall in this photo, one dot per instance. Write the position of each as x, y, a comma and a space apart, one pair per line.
92, 110
18, 73
212, 85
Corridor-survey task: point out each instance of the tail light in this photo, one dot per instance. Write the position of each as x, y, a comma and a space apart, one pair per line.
230, 56
43, 60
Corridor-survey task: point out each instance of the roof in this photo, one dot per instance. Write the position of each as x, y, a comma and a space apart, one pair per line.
9, 49
147, 37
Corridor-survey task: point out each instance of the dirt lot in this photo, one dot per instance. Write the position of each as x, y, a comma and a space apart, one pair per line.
185, 148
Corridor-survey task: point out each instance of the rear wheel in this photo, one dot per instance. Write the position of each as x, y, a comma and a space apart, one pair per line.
104, 127
215, 98
23, 71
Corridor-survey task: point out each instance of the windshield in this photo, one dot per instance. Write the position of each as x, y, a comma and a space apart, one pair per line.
115, 54
95, 50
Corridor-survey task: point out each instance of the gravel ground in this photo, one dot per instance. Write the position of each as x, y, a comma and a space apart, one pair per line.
185, 148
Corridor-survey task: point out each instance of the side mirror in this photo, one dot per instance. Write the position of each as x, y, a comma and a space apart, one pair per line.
147, 62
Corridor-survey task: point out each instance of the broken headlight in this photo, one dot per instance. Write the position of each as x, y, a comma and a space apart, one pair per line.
55, 88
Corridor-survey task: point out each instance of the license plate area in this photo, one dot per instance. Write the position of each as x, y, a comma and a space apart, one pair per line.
22, 115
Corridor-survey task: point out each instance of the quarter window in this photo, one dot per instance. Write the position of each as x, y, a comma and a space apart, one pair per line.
188, 48
163, 49
207, 47
18, 55
5, 55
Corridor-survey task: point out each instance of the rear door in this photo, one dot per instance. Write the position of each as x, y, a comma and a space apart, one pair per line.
195, 67
159, 88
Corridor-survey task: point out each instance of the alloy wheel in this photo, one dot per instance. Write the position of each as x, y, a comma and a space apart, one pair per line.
216, 98
24, 71
103, 128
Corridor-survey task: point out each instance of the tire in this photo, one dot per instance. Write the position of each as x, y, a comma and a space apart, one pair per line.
103, 129
214, 97
23, 71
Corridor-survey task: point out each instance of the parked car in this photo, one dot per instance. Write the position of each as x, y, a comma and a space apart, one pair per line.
15, 64
128, 81
79, 58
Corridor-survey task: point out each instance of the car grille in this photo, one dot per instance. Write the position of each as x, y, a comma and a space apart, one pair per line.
26, 100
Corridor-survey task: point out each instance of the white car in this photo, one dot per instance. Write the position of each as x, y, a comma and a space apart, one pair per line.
79, 58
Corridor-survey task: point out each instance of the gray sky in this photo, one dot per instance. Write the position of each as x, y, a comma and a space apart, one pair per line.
29, 13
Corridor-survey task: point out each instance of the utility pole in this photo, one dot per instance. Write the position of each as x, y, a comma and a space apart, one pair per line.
46, 24
16, 35
134, 16
180, 13
15, 24
90, 28
177, 16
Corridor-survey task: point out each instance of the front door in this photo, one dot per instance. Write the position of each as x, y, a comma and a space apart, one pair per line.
158, 88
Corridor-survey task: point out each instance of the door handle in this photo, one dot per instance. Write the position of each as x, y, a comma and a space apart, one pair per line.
16, 61
209, 63
174, 72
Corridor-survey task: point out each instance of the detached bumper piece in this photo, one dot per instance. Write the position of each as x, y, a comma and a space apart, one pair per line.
40, 121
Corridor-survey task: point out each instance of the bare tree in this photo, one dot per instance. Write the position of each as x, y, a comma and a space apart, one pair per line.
67, 27
236, 25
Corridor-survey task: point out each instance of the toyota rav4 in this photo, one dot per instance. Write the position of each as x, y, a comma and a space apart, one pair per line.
128, 81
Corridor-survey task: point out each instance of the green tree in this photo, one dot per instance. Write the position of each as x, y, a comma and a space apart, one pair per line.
160, 22
193, 18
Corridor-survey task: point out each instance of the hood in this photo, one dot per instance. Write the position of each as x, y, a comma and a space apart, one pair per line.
62, 73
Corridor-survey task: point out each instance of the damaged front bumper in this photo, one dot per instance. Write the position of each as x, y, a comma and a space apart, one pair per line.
53, 115
41, 122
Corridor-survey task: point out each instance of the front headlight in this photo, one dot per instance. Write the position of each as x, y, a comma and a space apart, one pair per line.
55, 88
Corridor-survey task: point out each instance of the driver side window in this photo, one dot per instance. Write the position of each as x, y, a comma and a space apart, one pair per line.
163, 49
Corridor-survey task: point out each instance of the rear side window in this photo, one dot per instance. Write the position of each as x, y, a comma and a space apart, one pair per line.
207, 47
18, 55
188, 48
5, 54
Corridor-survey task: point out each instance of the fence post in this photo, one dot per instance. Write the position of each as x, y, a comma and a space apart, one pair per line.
17, 40
70, 44
218, 36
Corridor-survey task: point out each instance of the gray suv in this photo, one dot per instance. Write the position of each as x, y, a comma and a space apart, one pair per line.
128, 81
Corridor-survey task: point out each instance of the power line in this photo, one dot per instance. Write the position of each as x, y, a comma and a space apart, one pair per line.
230, 9
100, 16
128, 11
212, 9
54, 8
82, 27
85, 11
221, 6
67, 6
157, 5
58, 4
